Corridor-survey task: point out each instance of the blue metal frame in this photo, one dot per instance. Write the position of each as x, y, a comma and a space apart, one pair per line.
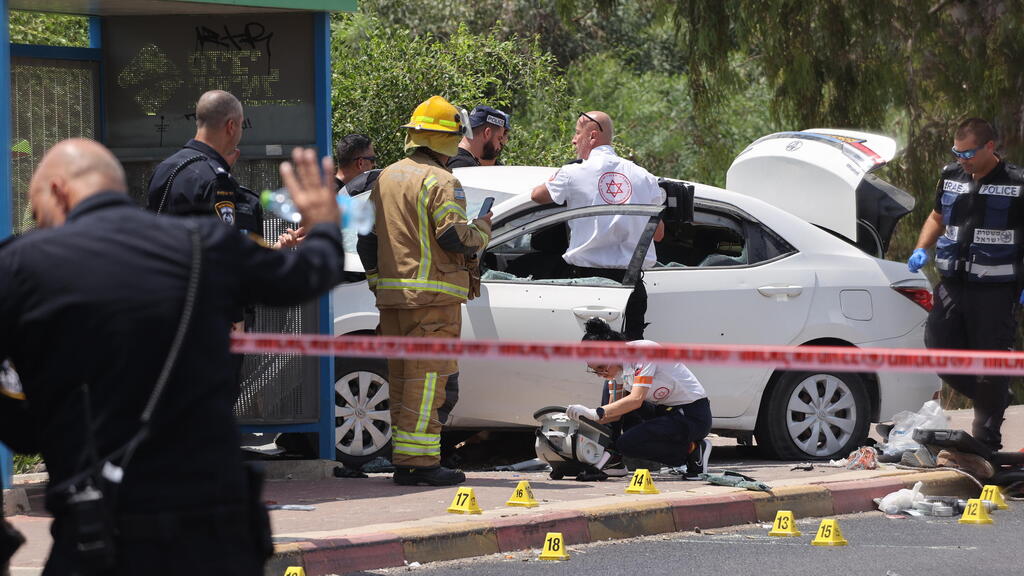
6, 201
322, 74
56, 52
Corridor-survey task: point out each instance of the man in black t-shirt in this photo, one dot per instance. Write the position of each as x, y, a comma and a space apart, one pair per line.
490, 127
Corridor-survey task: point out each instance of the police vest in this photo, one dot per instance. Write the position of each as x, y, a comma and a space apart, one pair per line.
983, 224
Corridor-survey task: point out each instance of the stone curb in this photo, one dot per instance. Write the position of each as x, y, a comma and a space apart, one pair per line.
660, 514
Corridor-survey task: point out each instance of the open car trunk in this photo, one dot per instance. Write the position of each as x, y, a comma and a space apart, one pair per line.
825, 177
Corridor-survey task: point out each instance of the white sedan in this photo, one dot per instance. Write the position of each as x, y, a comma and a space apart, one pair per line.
791, 254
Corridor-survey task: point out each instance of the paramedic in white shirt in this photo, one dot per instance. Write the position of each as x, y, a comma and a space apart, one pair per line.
603, 246
674, 430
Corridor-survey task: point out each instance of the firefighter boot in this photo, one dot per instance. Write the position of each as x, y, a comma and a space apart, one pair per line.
431, 476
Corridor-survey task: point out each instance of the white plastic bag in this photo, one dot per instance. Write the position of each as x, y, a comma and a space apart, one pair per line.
930, 416
902, 499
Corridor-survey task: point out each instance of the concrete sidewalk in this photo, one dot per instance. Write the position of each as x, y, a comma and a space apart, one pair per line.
360, 524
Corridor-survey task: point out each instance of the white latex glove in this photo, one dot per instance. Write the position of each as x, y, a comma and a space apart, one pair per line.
577, 411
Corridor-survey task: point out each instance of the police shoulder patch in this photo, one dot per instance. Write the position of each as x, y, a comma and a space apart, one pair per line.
226, 211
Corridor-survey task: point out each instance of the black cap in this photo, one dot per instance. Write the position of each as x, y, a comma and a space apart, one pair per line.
486, 114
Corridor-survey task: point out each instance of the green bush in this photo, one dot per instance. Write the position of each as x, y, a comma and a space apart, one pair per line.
381, 74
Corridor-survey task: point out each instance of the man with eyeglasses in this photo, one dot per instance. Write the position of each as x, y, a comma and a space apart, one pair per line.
355, 156
976, 228
603, 246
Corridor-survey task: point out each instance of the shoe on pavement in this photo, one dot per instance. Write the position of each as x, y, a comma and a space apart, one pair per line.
432, 476
971, 463
615, 467
920, 458
697, 461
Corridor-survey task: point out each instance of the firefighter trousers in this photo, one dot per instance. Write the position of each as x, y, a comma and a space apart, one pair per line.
976, 316
422, 392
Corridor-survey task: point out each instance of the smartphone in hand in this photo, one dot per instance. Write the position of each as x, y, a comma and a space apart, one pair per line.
486, 206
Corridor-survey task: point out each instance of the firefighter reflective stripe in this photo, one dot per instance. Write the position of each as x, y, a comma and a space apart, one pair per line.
447, 207
426, 402
371, 279
415, 444
486, 237
982, 270
425, 230
422, 286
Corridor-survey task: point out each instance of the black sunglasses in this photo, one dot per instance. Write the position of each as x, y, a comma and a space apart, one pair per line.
591, 118
367, 158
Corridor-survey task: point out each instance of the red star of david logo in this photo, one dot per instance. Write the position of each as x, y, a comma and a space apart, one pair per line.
614, 188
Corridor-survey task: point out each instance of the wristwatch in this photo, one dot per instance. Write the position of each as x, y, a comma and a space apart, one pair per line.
600, 412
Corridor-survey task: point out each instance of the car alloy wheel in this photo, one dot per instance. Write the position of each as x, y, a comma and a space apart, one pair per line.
361, 415
822, 415
815, 415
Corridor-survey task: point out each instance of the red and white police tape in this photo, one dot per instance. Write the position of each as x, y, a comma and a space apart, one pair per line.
832, 358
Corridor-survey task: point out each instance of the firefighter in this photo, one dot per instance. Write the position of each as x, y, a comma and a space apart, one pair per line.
424, 266
976, 228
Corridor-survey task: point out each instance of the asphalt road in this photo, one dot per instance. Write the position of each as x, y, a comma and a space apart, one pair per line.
877, 546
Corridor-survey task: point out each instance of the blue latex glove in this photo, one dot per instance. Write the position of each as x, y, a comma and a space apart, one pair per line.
917, 259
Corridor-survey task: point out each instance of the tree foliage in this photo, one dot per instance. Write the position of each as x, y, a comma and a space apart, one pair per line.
382, 73
48, 29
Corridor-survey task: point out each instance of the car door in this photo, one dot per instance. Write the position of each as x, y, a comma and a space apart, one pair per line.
743, 285
496, 393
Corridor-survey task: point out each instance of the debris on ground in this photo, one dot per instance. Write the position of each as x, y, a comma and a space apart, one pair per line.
345, 472
378, 464
737, 480
532, 465
863, 458
806, 467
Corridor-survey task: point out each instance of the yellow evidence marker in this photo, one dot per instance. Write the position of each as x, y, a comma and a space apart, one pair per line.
465, 503
522, 496
784, 525
641, 483
554, 547
993, 494
975, 513
829, 534
295, 571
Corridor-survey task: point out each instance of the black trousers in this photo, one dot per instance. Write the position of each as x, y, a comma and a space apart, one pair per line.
664, 433
220, 541
636, 307
976, 316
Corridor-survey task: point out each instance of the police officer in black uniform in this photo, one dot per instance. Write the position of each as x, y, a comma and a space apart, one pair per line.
197, 179
90, 304
977, 228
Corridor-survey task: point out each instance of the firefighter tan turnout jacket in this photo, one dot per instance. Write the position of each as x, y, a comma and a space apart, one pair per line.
426, 246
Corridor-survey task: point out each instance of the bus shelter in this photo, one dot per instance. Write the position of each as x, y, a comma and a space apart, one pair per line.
134, 88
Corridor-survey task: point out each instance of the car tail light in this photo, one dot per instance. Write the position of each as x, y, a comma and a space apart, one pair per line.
920, 296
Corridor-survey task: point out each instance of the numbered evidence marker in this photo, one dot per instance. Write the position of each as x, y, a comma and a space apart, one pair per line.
785, 524
993, 494
522, 496
829, 534
465, 503
975, 513
641, 483
295, 571
554, 547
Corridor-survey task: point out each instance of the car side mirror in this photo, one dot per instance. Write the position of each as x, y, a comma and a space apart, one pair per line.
678, 201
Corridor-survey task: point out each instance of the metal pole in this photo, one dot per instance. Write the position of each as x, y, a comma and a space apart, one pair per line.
322, 75
6, 203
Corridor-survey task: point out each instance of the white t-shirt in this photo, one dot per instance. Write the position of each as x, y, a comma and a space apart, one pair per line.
604, 178
668, 384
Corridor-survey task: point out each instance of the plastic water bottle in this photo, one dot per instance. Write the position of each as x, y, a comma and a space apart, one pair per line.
356, 215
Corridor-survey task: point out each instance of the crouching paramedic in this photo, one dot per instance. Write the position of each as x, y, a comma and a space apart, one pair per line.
424, 266
674, 431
